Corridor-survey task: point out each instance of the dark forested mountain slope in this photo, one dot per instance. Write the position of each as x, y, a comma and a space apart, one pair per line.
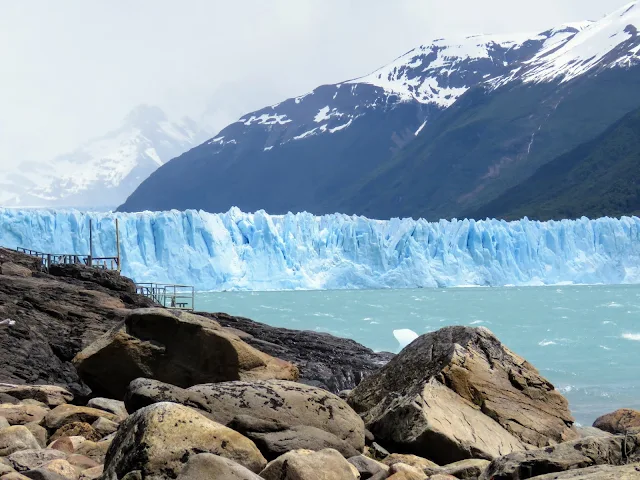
598, 178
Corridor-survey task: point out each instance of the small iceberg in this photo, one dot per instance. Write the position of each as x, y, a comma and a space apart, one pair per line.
404, 336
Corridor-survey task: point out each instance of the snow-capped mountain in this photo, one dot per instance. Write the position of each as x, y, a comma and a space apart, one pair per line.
609, 43
445, 127
104, 171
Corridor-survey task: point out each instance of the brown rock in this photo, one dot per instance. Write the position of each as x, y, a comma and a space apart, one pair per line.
13, 476
466, 469
308, 465
459, 393
21, 414
31, 459
619, 421
207, 466
159, 439
94, 450
402, 471
77, 429
183, 351
50, 395
16, 438
92, 473
60, 467
582, 453
63, 444
411, 460
65, 414
81, 463
13, 270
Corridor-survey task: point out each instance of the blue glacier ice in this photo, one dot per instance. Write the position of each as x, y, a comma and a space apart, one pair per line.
242, 251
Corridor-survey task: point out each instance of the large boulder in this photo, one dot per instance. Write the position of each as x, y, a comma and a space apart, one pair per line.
459, 393
619, 421
207, 466
289, 403
50, 395
181, 349
158, 440
308, 465
582, 453
16, 438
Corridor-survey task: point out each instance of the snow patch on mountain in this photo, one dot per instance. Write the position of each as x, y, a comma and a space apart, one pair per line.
610, 42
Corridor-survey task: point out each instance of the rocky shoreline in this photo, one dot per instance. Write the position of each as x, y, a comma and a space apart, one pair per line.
98, 383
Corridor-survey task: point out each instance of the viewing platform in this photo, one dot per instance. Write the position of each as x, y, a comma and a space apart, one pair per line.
177, 297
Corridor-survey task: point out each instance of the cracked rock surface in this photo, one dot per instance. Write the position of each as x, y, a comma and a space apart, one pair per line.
459, 393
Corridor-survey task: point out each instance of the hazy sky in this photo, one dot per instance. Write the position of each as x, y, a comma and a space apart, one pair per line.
72, 69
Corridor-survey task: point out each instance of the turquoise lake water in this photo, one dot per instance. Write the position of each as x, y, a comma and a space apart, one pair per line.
585, 339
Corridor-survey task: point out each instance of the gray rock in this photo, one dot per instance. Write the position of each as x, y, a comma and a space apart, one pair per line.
104, 427
274, 444
459, 393
30, 459
43, 474
207, 466
39, 432
368, 467
600, 472
4, 423
50, 395
585, 432
16, 438
108, 405
466, 469
582, 453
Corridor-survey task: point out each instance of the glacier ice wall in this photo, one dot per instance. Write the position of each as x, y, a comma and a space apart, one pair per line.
237, 250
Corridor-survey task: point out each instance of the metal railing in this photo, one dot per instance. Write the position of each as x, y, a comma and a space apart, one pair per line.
48, 259
179, 297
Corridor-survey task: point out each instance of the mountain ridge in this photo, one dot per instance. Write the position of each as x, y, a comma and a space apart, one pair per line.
442, 130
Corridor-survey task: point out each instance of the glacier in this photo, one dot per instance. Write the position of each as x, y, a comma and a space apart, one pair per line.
258, 251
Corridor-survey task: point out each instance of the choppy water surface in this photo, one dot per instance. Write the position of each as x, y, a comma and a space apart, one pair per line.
585, 339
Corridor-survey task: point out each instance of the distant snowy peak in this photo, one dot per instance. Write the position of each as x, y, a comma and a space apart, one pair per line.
105, 170
610, 42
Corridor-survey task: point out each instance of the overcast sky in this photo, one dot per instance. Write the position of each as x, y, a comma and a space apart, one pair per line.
72, 69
